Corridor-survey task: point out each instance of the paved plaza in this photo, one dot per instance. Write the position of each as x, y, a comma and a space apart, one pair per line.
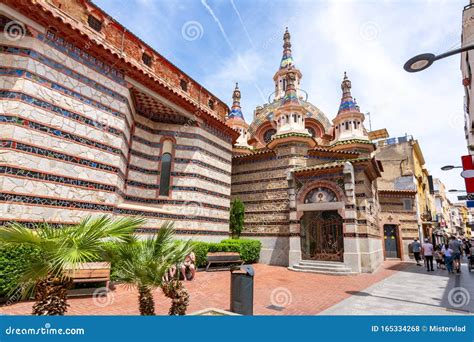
413, 291
394, 289
278, 291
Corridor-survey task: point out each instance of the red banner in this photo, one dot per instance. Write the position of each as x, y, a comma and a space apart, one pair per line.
467, 164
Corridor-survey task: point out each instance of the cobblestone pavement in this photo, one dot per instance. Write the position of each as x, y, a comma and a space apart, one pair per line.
413, 291
278, 291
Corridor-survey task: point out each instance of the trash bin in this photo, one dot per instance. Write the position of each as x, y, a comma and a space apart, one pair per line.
241, 289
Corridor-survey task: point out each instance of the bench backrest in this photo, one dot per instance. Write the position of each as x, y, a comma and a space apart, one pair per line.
223, 256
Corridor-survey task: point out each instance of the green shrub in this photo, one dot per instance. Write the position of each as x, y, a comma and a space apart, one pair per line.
249, 249
236, 217
200, 250
13, 260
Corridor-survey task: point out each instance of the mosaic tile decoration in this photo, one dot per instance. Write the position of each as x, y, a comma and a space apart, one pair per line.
185, 135
173, 202
179, 174
82, 56
178, 188
58, 133
197, 231
182, 148
13, 95
180, 161
61, 68
63, 90
11, 144
43, 201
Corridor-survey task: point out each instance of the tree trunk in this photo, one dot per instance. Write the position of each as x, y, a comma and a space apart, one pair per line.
179, 297
146, 302
51, 297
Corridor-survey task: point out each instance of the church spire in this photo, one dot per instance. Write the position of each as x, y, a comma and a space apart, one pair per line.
236, 110
287, 58
290, 97
347, 102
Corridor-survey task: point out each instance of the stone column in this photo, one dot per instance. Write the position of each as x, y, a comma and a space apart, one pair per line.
352, 257
294, 253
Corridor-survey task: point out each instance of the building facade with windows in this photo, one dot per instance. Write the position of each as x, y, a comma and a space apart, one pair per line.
467, 60
95, 121
404, 194
308, 183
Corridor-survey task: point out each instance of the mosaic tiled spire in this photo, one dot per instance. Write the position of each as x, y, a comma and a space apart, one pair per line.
287, 58
290, 97
347, 102
236, 110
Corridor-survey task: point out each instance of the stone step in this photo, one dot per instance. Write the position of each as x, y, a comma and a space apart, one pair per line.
334, 264
336, 273
324, 267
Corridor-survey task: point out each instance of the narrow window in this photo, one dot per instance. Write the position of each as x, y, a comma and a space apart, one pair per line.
146, 58
165, 174
94, 23
210, 103
184, 85
407, 204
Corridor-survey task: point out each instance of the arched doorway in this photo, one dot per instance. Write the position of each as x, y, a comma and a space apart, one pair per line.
322, 236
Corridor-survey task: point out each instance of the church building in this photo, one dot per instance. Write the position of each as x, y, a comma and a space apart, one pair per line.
95, 121
308, 183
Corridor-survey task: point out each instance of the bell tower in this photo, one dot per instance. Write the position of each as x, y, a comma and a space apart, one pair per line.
348, 123
235, 119
285, 64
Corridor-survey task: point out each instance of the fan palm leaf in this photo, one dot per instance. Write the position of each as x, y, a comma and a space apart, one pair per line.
63, 249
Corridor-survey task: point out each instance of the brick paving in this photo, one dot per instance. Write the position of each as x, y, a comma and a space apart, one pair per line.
278, 291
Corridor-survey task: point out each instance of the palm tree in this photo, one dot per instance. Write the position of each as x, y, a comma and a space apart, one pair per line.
144, 263
175, 290
61, 251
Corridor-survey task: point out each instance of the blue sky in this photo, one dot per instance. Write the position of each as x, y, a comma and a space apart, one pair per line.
220, 42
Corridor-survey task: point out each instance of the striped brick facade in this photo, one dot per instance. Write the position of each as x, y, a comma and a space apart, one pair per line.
83, 136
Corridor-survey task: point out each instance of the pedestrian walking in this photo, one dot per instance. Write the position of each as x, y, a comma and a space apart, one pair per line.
455, 246
427, 251
448, 258
416, 247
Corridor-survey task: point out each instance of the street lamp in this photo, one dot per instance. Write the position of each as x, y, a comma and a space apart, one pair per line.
450, 167
423, 61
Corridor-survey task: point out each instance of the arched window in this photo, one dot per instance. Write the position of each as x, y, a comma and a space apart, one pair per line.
267, 136
165, 172
311, 131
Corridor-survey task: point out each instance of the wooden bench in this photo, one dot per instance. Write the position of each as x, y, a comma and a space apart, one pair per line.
223, 258
89, 272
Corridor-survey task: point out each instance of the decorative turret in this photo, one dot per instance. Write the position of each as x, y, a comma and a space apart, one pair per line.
236, 110
287, 58
285, 64
289, 117
235, 119
348, 123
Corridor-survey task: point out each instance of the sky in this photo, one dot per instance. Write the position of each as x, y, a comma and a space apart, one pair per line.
220, 42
